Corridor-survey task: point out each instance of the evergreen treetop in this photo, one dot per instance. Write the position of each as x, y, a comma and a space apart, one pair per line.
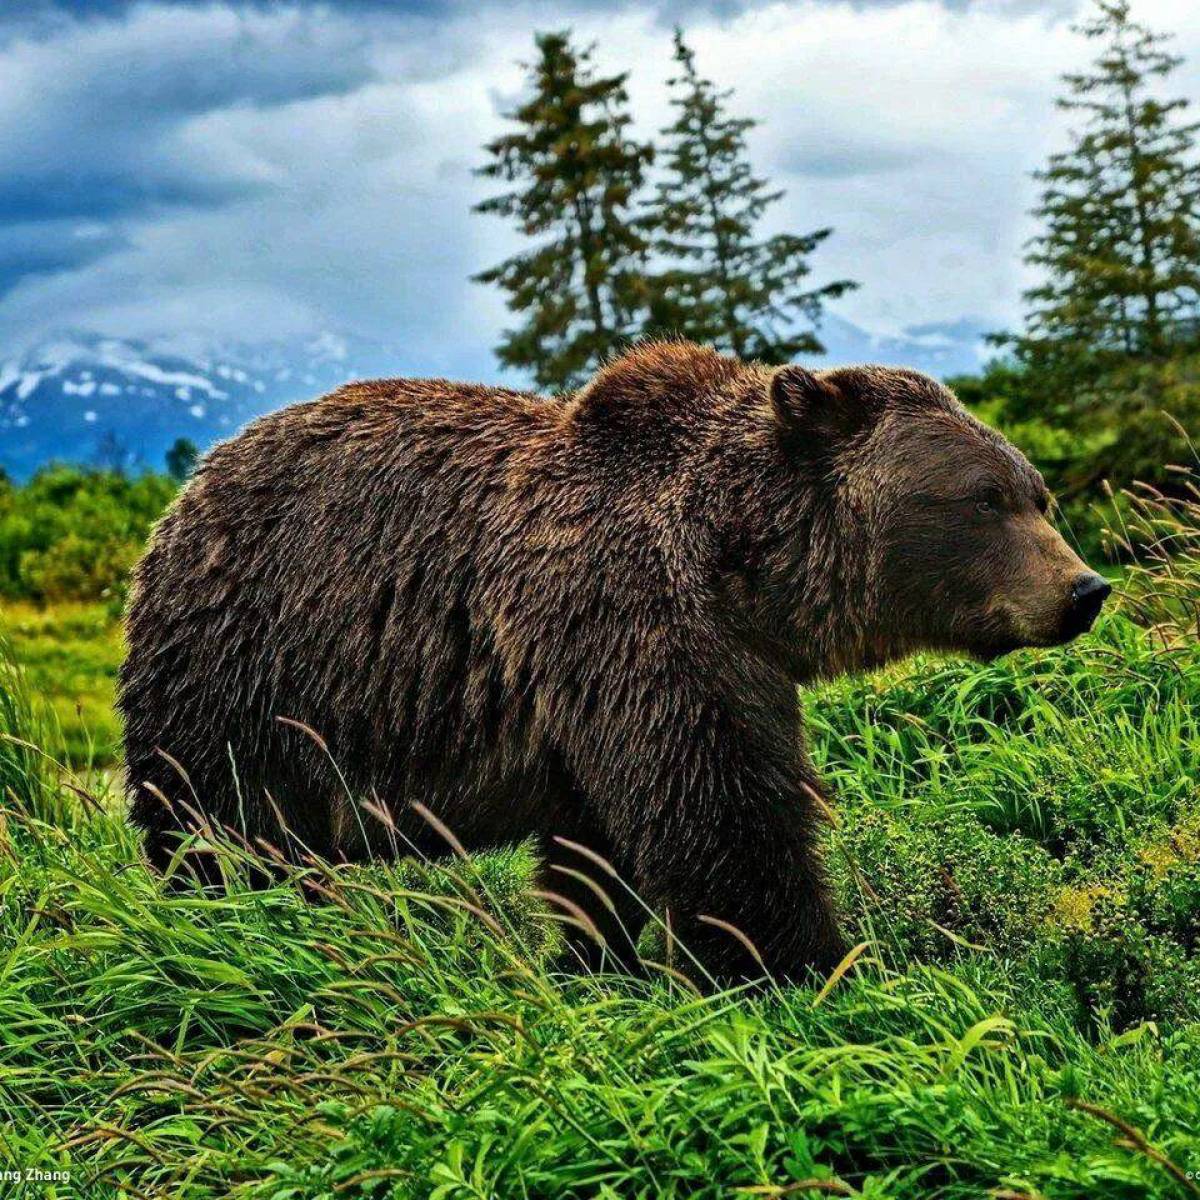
721, 285
576, 174
1120, 249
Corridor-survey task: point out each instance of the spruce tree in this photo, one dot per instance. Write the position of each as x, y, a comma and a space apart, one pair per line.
577, 174
721, 286
181, 458
1120, 250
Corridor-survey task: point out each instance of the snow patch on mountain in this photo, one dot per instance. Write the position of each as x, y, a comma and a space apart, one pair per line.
82, 397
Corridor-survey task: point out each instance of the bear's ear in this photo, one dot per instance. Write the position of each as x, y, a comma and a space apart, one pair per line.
819, 408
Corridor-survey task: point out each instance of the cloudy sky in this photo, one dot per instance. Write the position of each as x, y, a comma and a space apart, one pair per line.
243, 170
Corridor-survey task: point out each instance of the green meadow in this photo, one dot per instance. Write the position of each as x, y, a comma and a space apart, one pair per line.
1015, 846
69, 654
1017, 850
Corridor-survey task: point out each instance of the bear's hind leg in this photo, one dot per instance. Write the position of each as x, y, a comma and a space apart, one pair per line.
162, 837
615, 915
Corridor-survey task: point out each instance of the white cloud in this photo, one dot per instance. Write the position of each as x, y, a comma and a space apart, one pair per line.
911, 128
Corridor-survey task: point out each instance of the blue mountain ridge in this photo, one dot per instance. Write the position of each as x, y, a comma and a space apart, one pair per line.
83, 397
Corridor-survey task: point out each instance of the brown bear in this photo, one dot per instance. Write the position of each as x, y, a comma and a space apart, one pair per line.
582, 617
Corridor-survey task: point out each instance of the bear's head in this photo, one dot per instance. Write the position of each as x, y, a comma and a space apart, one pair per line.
935, 527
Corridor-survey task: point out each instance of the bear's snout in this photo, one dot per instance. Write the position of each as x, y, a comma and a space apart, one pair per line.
1088, 594
1052, 597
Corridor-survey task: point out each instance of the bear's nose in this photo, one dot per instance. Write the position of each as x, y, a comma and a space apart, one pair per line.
1088, 594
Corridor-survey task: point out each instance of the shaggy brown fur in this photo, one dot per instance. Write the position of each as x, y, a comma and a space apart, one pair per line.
582, 617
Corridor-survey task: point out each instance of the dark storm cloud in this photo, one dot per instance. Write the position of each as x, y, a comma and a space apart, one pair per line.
46, 12
170, 168
53, 191
98, 119
47, 247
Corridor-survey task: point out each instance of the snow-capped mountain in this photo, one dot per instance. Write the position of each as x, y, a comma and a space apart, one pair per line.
80, 397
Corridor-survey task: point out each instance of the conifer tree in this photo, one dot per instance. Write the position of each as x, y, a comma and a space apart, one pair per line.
181, 458
1120, 249
721, 286
576, 174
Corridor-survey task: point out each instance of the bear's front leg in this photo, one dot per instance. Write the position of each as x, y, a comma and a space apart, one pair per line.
756, 871
710, 805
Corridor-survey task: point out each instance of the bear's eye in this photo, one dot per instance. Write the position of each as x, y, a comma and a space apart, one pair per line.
987, 502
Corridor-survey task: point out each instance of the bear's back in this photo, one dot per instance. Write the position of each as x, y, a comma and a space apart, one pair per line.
326, 566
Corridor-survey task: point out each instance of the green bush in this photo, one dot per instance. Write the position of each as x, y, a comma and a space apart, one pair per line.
78, 567
72, 534
1095, 430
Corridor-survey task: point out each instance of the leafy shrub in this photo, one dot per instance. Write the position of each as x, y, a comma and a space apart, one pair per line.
73, 534
1094, 431
76, 567
1040, 809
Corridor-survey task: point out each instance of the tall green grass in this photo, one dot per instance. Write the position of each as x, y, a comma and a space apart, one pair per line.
70, 654
30, 783
1017, 850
